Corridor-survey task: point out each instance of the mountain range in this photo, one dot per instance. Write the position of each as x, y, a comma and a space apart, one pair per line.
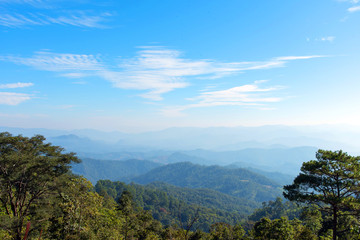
212, 138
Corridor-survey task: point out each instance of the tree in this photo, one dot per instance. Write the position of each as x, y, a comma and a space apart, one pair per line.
30, 172
79, 211
331, 182
281, 229
221, 231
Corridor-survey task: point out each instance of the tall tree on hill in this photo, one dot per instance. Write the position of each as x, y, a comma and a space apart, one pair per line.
30, 172
332, 181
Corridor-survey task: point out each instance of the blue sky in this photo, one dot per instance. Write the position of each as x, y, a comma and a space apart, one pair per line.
147, 65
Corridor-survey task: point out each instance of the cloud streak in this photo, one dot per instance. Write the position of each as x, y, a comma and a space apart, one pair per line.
155, 70
78, 19
161, 70
45, 12
58, 62
245, 95
21, 1
354, 9
15, 85
9, 98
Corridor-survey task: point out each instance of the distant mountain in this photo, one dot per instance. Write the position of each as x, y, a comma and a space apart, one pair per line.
95, 170
280, 178
155, 156
236, 182
211, 138
108, 137
74, 143
237, 138
181, 157
284, 160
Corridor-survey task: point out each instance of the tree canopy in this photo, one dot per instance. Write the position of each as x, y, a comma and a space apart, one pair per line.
30, 173
332, 182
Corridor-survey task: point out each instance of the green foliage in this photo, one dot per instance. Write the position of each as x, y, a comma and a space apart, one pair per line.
276, 209
312, 218
208, 198
78, 211
30, 172
281, 229
223, 231
166, 208
331, 181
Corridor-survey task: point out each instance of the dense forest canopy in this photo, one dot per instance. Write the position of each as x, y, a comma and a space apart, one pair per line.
42, 199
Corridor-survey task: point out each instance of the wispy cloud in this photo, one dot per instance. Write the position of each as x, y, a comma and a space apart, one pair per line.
9, 98
161, 70
290, 58
322, 39
58, 62
156, 70
349, 1
15, 85
354, 9
78, 19
47, 12
21, 1
245, 95
327, 39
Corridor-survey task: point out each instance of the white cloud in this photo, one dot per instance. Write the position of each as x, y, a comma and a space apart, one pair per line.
75, 75
8, 98
289, 58
328, 39
322, 39
45, 12
349, 1
21, 1
58, 62
156, 70
354, 9
78, 20
245, 95
162, 70
15, 85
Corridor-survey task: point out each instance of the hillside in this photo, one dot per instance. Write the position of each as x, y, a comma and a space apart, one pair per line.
95, 170
236, 182
168, 209
207, 198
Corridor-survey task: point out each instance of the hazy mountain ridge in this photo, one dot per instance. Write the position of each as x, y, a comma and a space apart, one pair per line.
236, 182
211, 138
284, 160
272, 146
113, 170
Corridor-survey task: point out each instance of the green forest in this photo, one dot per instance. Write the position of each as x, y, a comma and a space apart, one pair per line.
41, 198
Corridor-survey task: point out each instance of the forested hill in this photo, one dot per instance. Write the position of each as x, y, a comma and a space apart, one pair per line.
207, 198
170, 210
236, 182
95, 170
